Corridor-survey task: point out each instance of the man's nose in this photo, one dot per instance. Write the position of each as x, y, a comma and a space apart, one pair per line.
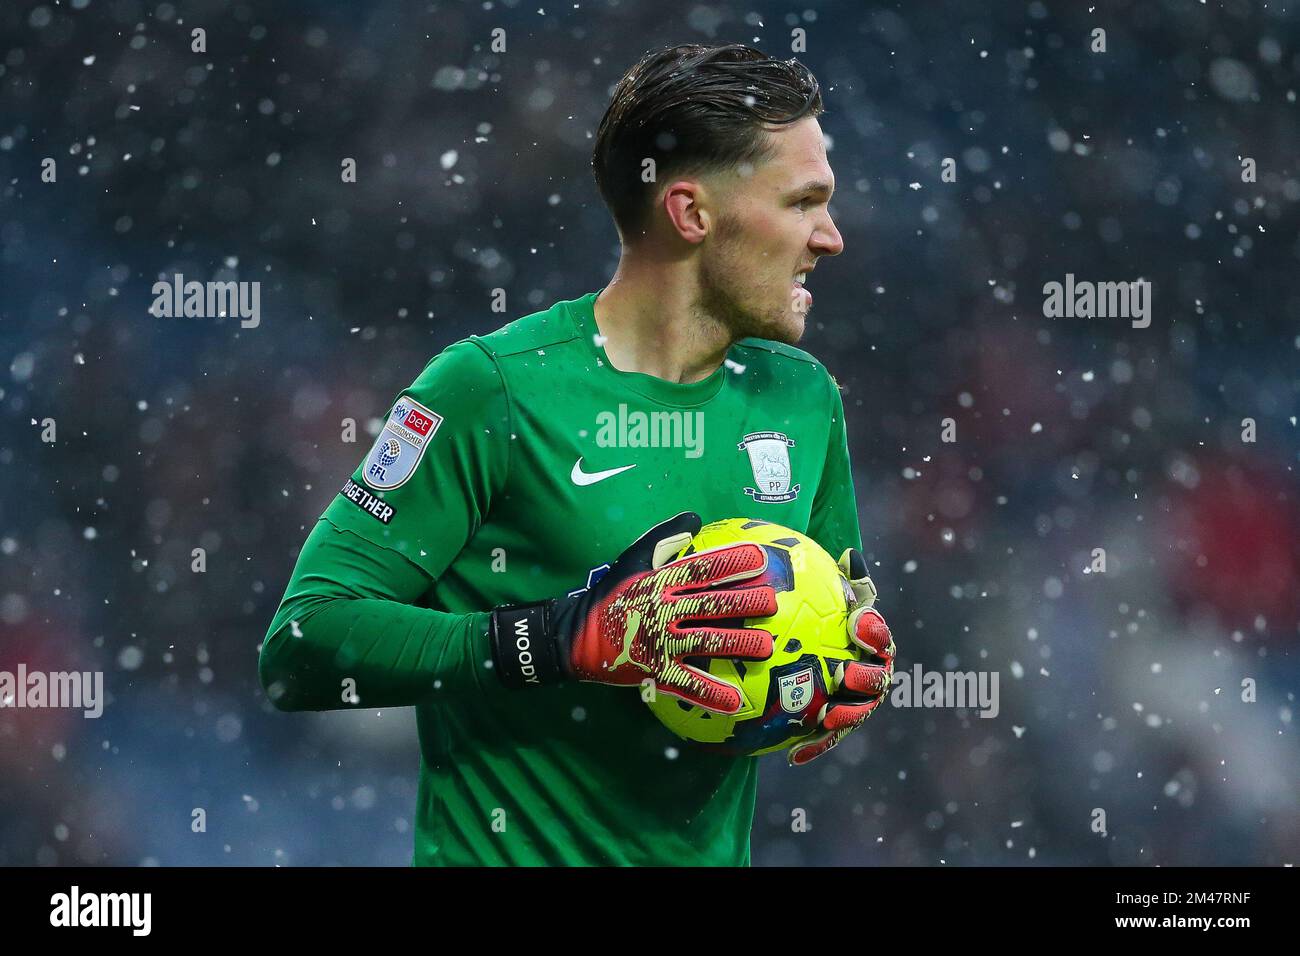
826, 239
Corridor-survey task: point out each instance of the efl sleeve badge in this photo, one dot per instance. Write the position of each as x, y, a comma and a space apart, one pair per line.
400, 445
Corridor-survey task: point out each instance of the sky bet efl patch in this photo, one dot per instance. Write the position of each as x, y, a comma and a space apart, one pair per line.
400, 446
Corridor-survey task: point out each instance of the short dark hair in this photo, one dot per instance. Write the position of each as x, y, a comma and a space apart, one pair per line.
695, 108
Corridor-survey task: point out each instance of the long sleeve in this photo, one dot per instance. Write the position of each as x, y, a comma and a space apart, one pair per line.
349, 621
347, 615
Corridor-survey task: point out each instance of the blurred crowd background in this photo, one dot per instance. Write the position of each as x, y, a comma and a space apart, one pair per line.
1121, 691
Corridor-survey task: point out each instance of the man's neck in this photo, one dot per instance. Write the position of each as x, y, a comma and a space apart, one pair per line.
651, 321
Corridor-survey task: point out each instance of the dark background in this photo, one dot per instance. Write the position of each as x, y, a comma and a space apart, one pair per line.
1120, 691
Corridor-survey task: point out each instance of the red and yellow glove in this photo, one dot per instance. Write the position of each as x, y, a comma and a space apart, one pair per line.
643, 617
860, 686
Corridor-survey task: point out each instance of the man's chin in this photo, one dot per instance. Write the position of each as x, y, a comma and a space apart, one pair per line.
794, 332
786, 327
790, 329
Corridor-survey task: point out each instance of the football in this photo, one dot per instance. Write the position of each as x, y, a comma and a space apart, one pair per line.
783, 695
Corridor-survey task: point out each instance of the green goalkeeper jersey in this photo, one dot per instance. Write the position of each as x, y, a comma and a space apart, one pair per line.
516, 466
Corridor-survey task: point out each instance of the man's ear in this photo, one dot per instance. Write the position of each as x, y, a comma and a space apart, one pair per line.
685, 202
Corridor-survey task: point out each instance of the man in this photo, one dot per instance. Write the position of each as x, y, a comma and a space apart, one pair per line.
465, 568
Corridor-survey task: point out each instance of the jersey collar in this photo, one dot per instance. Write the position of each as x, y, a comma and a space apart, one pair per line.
582, 312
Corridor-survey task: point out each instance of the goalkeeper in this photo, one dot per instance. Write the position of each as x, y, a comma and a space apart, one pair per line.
498, 559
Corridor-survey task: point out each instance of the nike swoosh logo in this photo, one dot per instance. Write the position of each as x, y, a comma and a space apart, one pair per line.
580, 477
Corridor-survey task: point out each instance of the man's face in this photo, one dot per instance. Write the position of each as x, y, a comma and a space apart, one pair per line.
772, 225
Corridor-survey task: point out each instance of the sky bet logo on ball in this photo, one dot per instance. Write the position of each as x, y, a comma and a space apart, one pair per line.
795, 690
400, 445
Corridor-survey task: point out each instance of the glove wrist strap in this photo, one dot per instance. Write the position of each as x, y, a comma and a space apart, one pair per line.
524, 652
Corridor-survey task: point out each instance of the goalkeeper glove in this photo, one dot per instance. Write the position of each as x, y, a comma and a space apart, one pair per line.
860, 687
642, 618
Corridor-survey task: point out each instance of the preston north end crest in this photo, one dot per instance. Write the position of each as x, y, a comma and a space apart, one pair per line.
400, 446
769, 456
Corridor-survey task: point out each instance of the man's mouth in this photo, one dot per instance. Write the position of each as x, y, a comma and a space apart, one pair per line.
801, 296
